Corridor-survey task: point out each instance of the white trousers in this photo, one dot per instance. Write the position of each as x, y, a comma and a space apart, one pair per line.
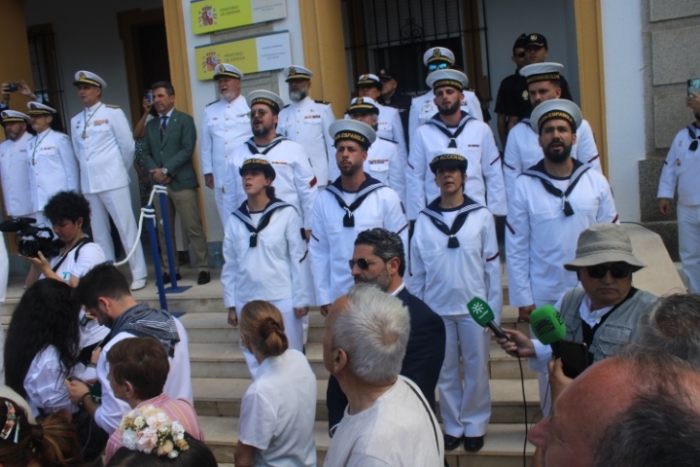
117, 204
689, 243
222, 205
465, 410
292, 328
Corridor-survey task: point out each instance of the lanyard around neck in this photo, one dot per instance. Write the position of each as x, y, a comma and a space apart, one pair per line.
87, 119
38, 143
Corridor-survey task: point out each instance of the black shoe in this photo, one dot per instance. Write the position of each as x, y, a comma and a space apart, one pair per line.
473, 443
451, 443
203, 278
166, 277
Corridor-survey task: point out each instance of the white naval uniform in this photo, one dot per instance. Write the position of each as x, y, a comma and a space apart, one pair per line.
385, 164
306, 122
523, 150
389, 127
276, 269
332, 244
682, 169
295, 182
446, 279
423, 108
15, 176
484, 174
540, 238
225, 126
105, 156
51, 167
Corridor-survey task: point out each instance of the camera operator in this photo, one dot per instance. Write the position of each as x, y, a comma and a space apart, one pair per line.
69, 213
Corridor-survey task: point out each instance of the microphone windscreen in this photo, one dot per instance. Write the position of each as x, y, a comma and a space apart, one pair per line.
547, 324
480, 311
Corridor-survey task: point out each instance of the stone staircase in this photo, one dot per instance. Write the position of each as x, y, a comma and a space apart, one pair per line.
220, 378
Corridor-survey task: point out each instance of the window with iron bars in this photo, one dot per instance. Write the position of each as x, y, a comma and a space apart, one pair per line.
44, 62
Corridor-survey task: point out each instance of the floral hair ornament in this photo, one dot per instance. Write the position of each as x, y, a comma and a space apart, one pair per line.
149, 429
11, 421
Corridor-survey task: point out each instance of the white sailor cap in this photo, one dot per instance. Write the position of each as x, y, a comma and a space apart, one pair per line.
87, 77
297, 72
438, 54
556, 108
37, 108
10, 116
448, 157
224, 69
546, 71
363, 104
453, 78
262, 96
353, 130
369, 80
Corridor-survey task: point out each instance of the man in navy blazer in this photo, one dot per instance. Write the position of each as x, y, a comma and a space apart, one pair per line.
378, 259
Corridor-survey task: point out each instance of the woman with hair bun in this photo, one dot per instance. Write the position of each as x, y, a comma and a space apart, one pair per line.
279, 408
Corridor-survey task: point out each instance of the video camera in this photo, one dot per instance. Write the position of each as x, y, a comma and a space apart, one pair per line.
31, 238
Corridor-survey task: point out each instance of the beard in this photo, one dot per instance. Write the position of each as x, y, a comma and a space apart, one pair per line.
451, 110
298, 94
382, 280
262, 131
557, 157
352, 170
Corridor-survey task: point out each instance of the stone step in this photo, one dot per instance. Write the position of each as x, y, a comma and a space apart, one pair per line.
503, 444
222, 397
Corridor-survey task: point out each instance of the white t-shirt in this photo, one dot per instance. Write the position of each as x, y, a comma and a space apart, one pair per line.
278, 412
399, 429
89, 256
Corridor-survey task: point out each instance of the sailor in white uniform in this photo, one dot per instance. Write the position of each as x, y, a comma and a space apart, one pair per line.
523, 148
306, 121
454, 258
384, 162
453, 127
423, 107
104, 146
682, 171
553, 202
225, 126
50, 161
352, 203
389, 124
13, 164
265, 255
295, 182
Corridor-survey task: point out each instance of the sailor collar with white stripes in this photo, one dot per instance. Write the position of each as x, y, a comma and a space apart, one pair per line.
434, 212
336, 189
243, 214
255, 149
538, 171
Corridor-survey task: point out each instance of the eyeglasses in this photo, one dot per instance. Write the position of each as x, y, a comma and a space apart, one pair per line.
437, 66
617, 270
520, 54
253, 113
361, 263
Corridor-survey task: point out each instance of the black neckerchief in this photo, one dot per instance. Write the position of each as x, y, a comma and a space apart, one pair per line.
589, 332
452, 135
368, 186
254, 148
538, 171
694, 144
434, 212
243, 214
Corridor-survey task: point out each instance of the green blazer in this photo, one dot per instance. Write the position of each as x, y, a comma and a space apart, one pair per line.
173, 151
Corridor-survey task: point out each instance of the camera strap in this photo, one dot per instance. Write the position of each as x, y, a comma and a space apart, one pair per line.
78, 245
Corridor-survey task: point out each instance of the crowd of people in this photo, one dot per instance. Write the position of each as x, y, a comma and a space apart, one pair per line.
387, 221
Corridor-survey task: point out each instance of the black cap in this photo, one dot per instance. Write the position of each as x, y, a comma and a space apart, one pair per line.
385, 73
258, 164
536, 40
520, 42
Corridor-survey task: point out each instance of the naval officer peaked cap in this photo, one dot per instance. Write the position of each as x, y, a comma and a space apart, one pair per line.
353, 130
556, 108
363, 104
224, 69
438, 54
88, 77
453, 78
297, 72
449, 157
10, 116
37, 108
262, 96
546, 71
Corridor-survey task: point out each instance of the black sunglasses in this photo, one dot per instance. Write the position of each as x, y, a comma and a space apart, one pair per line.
617, 270
520, 54
253, 113
361, 263
437, 66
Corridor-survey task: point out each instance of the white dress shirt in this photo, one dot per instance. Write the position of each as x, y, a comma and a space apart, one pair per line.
15, 176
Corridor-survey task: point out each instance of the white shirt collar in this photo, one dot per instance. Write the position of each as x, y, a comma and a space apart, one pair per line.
399, 289
167, 115
43, 132
94, 107
268, 363
591, 317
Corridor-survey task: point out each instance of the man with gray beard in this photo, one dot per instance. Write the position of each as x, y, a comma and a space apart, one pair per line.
306, 122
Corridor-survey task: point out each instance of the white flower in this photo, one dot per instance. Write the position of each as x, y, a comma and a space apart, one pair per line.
173, 454
147, 439
129, 439
157, 419
139, 422
177, 430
